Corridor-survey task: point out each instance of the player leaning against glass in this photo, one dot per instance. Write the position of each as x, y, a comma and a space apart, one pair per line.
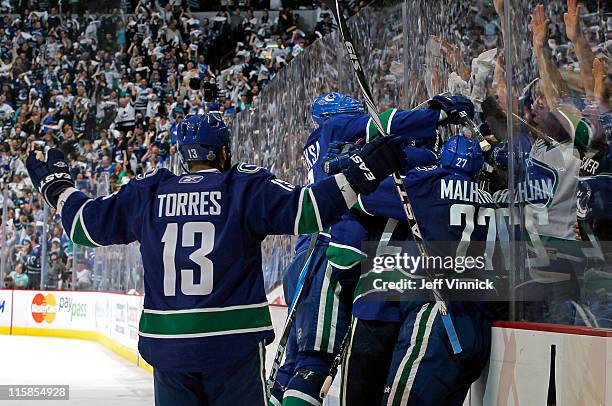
206, 320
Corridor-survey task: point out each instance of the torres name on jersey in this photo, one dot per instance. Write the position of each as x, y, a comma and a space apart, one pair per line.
189, 204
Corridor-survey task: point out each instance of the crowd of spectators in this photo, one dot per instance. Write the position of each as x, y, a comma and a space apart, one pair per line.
108, 86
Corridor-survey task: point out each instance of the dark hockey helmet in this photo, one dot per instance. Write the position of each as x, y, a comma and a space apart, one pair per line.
462, 154
329, 104
199, 137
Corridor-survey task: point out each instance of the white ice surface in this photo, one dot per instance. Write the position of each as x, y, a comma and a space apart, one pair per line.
96, 375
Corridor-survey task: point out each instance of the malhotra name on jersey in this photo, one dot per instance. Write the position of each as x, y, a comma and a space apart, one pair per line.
465, 190
189, 204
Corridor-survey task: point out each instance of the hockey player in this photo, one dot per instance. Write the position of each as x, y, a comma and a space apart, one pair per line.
421, 368
205, 320
323, 314
306, 356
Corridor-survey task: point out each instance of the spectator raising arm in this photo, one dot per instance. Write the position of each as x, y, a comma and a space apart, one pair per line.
599, 76
553, 85
581, 46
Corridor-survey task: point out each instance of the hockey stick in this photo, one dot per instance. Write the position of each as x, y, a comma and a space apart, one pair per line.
397, 180
538, 133
303, 283
467, 122
484, 144
333, 369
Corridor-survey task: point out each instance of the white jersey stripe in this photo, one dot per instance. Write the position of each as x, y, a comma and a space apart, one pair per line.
262, 372
334, 319
423, 349
316, 209
402, 365
299, 213
211, 334
322, 306
207, 309
350, 197
84, 226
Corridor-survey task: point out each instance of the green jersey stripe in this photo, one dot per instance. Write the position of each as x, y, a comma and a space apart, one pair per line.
211, 334
345, 362
316, 209
298, 216
343, 256
206, 323
360, 207
328, 313
333, 342
79, 234
386, 119
206, 309
294, 397
309, 218
322, 307
422, 337
372, 281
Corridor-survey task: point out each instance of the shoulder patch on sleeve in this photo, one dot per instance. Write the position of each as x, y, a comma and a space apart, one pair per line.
147, 174
248, 168
150, 177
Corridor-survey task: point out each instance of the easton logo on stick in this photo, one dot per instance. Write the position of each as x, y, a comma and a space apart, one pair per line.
352, 55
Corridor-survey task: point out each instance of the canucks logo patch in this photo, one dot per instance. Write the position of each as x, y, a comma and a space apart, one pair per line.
248, 168
147, 174
191, 179
540, 184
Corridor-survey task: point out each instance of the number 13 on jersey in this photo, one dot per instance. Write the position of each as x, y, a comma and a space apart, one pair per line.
188, 284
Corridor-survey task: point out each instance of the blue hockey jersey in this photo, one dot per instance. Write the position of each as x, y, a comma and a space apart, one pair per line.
200, 238
410, 124
440, 194
448, 206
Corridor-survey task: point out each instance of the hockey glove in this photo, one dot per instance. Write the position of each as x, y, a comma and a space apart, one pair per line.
452, 106
376, 160
337, 157
51, 176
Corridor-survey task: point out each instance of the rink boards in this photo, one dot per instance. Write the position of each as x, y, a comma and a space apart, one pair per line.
518, 373
108, 318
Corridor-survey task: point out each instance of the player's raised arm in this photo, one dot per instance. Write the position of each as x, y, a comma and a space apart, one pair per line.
113, 219
420, 124
278, 207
